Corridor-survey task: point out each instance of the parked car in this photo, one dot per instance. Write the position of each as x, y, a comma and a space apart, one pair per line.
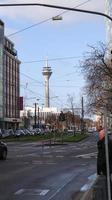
27, 132
70, 131
0, 133
11, 132
90, 130
5, 133
3, 151
19, 132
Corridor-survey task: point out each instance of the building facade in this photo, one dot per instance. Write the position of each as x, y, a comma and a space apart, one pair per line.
42, 114
108, 8
9, 83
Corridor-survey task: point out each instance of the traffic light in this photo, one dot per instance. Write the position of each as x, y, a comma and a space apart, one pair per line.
62, 116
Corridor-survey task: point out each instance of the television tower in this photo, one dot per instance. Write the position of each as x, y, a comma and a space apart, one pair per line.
47, 73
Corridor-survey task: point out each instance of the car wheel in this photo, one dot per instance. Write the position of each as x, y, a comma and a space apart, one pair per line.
4, 155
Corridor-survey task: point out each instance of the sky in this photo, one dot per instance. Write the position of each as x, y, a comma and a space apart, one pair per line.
37, 38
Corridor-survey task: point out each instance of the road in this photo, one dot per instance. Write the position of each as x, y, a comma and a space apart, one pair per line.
60, 172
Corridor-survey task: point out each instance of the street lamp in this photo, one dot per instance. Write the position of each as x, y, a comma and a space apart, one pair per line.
58, 17
82, 116
38, 118
35, 117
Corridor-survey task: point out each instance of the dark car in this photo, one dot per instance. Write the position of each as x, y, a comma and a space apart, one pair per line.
3, 151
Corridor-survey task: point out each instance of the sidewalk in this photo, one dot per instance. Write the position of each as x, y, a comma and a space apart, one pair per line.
98, 190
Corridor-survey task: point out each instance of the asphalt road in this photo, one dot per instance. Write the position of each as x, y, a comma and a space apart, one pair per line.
60, 172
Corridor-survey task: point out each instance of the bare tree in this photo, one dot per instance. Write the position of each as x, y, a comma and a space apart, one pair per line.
51, 119
97, 68
71, 101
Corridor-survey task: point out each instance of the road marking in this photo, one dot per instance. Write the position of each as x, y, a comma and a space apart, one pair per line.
91, 180
61, 156
43, 163
32, 192
26, 155
84, 164
58, 190
35, 162
88, 155
44, 192
59, 151
19, 192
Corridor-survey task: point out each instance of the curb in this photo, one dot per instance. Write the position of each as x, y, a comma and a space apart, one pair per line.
98, 191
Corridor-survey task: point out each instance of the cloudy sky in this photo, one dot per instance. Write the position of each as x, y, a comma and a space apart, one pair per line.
37, 37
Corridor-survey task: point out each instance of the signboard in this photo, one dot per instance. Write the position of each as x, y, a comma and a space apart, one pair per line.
20, 103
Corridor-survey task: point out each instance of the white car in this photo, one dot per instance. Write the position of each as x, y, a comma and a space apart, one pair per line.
19, 132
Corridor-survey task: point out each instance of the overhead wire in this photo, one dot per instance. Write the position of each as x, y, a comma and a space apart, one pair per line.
39, 24
46, 20
52, 59
39, 82
40, 96
31, 91
42, 84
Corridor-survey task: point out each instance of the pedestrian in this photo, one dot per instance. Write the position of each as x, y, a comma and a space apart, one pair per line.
101, 156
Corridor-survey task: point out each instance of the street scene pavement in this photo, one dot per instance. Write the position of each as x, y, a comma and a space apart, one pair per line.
57, 172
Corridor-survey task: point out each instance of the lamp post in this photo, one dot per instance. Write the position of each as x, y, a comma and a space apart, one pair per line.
107, 155
38, 118
35, 116
82, 116
57, 7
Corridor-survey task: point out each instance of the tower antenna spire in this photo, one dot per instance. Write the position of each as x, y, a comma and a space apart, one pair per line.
46, 61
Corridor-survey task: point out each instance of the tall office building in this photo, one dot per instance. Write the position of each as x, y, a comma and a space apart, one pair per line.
108, 8
9, 83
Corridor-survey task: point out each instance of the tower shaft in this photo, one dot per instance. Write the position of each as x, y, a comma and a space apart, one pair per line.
47, 73
47, 101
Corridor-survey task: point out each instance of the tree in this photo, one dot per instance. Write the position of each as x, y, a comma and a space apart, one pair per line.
51, 119
68, 117
62, 116
71, 101
97, 68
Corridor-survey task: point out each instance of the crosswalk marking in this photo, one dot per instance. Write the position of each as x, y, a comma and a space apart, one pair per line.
91, 180
89, 155
32, 192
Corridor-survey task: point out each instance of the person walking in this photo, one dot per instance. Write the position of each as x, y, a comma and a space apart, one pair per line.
101, 156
